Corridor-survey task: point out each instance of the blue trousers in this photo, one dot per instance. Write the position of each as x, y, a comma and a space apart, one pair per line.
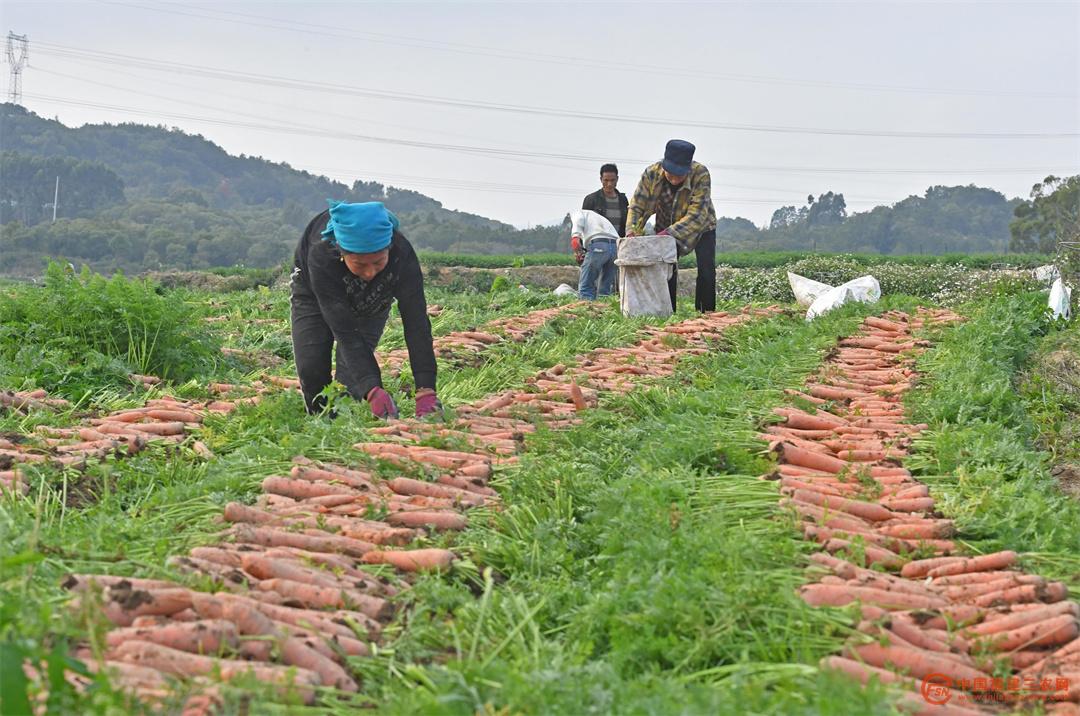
599, 266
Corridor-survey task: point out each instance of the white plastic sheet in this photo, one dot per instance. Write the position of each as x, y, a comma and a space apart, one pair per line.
865, 289
1045, 274
806, 289
645, 265
564, 290
1060, 297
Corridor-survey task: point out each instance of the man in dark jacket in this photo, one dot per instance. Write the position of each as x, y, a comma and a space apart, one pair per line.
609, 202
350, 266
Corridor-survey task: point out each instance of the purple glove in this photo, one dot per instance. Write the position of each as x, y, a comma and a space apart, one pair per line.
382, 405
428, 404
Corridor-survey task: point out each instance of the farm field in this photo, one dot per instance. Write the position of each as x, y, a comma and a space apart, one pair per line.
741, 512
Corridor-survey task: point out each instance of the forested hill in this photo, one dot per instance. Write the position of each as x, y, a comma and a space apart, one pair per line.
134, 196
138, 197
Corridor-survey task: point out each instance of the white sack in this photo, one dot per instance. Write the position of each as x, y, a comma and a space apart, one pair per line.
1060, 297
806, 289
645, 265
864, 288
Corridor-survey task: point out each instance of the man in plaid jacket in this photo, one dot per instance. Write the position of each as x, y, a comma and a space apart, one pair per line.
679, 191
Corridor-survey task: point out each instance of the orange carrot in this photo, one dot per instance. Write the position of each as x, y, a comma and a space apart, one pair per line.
913, 504
862, 672
922, 567
175, 415
917, 662
86, 582
303, 654
265, 567
174, 428
123, 604
819, 421
1053, 592
442, 520
179, 663
313, 596
874, 555
417, 560
1054, 631
866, 510
270, 537
578, 397
817, 595
806, 458
934, 529
409, 486
1070, 653
304, 472
997, 560
199, 637
303, 489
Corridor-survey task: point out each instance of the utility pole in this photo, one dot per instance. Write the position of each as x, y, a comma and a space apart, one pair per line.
18, 55
56, 198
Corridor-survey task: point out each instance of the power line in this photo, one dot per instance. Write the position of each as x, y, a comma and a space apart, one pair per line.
336, 89
252, 20
495, 151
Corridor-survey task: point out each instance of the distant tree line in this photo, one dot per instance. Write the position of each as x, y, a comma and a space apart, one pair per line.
139, 197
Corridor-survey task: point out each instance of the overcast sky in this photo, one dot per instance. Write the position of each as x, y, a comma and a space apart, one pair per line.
508, 109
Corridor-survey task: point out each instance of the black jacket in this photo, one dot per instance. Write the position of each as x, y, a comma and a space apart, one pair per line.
346, 300
598, 202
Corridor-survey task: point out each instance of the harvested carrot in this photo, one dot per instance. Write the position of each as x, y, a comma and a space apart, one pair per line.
443, 520
873, 555
817, 595
86, 582
314, 474
416, 560
174, 415
303, 489
922, 567
179, 663
123, 604
270, 537
174, 428
1055, 631
200, 637
302, 654
266, 567
986, 562
934, 529
313, 596
866, 510
917, 662
1053, 592
806, 458
864, 673
409, 486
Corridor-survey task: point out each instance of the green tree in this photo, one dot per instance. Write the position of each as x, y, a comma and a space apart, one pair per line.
1052, 215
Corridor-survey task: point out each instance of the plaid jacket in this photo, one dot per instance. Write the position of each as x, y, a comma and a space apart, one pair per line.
693, 212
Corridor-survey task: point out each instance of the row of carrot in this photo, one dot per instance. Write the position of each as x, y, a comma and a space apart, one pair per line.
297, 556
164, 420
991, 631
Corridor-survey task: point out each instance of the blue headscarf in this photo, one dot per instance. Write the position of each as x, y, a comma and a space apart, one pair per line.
360, 228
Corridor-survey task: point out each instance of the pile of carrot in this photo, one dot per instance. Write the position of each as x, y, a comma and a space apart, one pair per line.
25, 401
295, 572
463, 347
840, 451
123, 432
